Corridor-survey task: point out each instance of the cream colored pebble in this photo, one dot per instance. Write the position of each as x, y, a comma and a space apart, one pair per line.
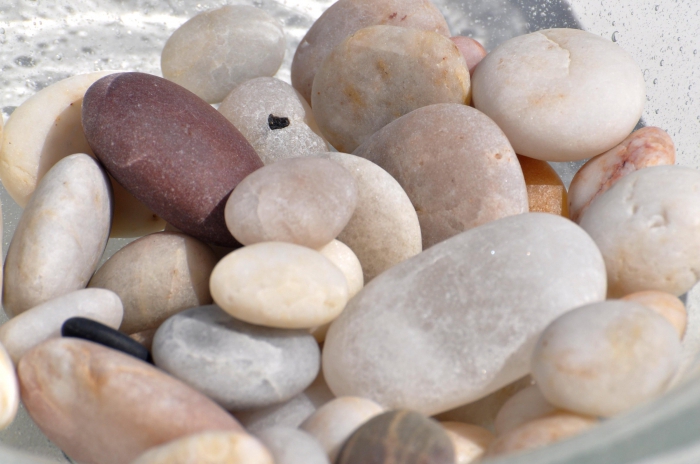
216, 447
9, 389
335, 421
342, 256
279, 284
524, 406
669, 306
541, 432
470, 441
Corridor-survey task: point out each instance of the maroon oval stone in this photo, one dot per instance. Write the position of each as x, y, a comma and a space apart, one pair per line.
170, 149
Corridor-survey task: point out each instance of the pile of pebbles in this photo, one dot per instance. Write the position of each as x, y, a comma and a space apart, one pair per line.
342, 269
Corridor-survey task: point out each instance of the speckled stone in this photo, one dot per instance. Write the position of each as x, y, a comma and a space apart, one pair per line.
292, 446
649, 146
472, 315
472, 51
65, 383
274, 118
278, 284
381, 73
345, 17
170, 149
646, 227
157, 276
384, 229
398, 436
605, 358
218, 49
560, 94
9, 389
45, 129
669, 306
334, 422
238, 365
524, 406
541, 432
307, 201
470, 441
433, 164
209, 447
38, 324
61, 235
546, 192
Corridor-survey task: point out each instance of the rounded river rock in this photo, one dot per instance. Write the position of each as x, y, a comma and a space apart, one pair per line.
238, 365
169, 148
460, 320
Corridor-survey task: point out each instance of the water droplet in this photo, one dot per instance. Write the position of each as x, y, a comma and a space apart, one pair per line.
661, 63
59, 57
695, 52
25, 61
614, 36
613, 23
656, 81
493, 252
656, 8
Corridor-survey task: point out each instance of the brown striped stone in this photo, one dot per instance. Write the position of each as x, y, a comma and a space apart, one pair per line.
401, 436
168, 148
546, 192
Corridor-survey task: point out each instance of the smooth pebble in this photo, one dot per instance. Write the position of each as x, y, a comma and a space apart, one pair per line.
157, 276
471, 315
344, 259
66, 383
214, 447
669, 306
524, 406
605, 358
169, 148
38, 324
238, 365
384, 229
96, 332
541, 432
456, 166
45, 129
278, 284
381, 73
647, 229
60, 236
472, 51
344, 18
218, 49
9, 390
398, 436
546, 192
292, 446
334, 422
470, 441
307, 201
560, 94
274, 118
649, 146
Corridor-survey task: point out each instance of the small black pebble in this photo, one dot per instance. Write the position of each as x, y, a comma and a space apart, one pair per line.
276, 122
87, 329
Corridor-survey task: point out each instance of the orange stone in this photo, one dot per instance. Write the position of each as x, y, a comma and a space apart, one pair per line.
545, 189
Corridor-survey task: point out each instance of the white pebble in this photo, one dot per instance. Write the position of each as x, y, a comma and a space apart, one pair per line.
9, 389
470, 441
524, 406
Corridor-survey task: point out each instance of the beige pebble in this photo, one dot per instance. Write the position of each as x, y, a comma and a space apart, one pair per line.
307, 201
145, 337
104, 407
524, 406
669, 306
384, 229
9, 389
381, 73
38, 324
278, 284
541, 432
45, 129
345, 17
334, 422
157, 276
649, 146
253, 106
342, 256
60, 236
433, 150
472, 51
216, 447
470, 441
292, 446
